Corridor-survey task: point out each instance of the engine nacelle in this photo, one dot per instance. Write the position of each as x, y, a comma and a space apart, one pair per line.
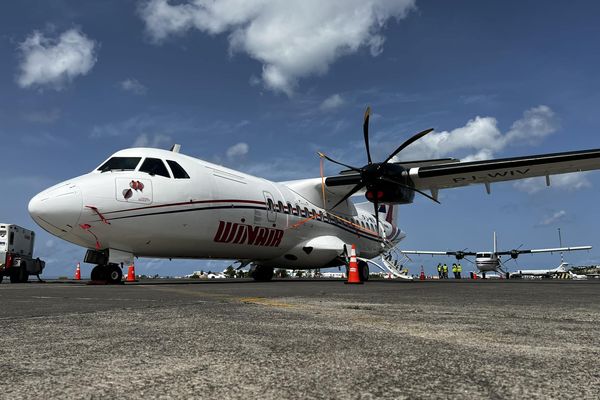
389, 193
388, 183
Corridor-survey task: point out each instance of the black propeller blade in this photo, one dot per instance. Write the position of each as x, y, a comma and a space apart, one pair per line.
407, 143
385, 178
350, 193
337, 162
366, 132
376, 206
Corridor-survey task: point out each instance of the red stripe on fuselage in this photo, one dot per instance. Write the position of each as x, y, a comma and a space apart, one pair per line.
186, 203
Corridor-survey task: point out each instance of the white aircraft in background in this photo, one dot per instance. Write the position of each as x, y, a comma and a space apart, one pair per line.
562, 269
143, 202
487, 261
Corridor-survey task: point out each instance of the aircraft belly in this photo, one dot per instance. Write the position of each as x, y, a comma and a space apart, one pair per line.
487, 265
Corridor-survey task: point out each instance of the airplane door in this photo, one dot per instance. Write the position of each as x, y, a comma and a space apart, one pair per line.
271, 214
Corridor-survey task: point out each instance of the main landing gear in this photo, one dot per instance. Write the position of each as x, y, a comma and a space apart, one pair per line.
261, 273
363, 271
19, 275
110, 273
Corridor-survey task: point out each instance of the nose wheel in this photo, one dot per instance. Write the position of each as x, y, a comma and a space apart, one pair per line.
110, 273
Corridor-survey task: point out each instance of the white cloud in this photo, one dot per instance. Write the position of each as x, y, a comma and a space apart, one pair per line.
558, 216
482, 137
573, 181
54, 62
175, 124
133, 86
238, 150
157, 140
43, 139
43, 116
332, 102
292, 39
536, 124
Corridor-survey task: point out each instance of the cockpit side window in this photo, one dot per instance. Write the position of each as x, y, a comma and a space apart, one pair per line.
120, 164
178, 171
154, 166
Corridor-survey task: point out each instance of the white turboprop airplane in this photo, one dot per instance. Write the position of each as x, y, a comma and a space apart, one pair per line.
487, 261
144, 202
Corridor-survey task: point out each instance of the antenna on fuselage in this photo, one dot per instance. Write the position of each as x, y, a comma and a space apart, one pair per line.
175, 148
495, 243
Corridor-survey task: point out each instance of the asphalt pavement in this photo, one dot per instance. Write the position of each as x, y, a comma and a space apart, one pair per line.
301, 339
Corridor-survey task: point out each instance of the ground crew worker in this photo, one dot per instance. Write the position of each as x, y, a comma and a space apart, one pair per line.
454, 270
440, 271
459, 270
445, 268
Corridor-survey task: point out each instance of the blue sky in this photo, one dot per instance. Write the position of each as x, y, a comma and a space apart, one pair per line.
261, 85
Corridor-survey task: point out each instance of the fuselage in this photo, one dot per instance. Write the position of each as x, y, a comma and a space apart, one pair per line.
157, 203
487, 261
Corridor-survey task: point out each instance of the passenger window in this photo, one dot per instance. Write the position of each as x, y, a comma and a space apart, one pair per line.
270, 205
280, 205
178, 171
154, 166
298, 211
289, 208
305, 212
120, 164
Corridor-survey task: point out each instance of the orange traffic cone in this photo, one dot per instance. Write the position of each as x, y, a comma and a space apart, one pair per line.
422, 276
131, 274
353, 275
78, 273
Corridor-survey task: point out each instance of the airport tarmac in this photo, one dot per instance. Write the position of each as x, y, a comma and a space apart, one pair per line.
301, 339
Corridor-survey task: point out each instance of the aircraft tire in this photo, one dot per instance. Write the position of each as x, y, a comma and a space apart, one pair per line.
114, 273
23, 274
99, 273
262, 274
15, 275
1, 278
363, 271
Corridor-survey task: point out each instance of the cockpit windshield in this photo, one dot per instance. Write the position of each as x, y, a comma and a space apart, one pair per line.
120, 164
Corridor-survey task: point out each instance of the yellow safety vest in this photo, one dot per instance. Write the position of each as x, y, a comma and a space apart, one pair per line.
445, 268
459, 268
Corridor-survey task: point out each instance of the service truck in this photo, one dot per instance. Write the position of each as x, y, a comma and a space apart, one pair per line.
16, 254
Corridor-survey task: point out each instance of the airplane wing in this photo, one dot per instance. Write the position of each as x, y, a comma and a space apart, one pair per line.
459, 253
449, 175
515, 253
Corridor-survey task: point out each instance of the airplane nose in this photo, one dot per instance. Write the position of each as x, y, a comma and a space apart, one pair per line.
57, 209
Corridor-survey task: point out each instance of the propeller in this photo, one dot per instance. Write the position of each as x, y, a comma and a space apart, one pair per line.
460, 254
514, 253
376, 176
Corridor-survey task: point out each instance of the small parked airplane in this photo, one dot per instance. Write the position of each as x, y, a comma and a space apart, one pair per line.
143, 202
544, 273
487, 261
